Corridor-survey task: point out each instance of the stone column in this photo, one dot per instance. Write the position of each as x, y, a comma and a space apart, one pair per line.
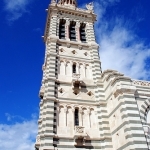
73, 124
78, 31
65, 116
80, 117
71, 63
88, 117
84, 65
77, 68
67, 30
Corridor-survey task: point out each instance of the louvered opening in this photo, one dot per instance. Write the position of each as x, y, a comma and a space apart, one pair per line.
82, 33
72, 33
62, 29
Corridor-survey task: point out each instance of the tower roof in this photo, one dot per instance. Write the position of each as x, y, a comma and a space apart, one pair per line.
68, 2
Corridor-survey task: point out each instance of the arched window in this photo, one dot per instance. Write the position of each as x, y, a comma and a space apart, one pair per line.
85, 118
68, 69
72, 31
61, 117
92, 119
69, 117
82, 32
76, 116
62, 68
62, 29
82, 70
74, 68
87, 72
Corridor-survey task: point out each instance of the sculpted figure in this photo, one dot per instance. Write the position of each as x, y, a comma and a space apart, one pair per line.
90, 7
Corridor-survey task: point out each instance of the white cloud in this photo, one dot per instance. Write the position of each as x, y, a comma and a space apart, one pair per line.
120, 48
16, 8
19, 136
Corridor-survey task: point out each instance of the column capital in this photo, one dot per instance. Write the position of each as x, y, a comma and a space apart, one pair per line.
78, 24
65, 109
80, 111
67, 22
77, 64
73, 110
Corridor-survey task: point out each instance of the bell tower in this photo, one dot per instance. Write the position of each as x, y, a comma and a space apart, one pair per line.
69, 92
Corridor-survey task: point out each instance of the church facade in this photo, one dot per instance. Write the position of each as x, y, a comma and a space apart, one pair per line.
82, 107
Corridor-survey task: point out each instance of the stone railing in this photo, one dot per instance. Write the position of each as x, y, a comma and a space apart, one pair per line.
79, 130
140, 82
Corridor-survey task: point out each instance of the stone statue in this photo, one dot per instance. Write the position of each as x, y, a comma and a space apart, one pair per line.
90, 7
53, 1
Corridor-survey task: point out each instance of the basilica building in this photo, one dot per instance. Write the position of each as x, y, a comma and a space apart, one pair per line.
81, 106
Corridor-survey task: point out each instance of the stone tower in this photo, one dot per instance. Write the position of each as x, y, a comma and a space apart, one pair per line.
81, 107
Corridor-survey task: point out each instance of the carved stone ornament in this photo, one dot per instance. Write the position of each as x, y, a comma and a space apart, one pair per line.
80, 47
121, 91
53, 1
68, 45
90, 7
79, 129
142, 83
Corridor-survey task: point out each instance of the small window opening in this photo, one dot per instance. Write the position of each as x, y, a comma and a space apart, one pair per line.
62, 29
74, 68
82, 33
72, 33
76, 117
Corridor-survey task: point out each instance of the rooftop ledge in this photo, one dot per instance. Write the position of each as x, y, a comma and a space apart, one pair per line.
72, 8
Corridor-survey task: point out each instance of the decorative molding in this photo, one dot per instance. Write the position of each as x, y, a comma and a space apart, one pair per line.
122, 91
79, 129
120, 78
141, 83
108, 71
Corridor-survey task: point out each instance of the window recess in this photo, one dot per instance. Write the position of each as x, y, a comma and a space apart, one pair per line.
72, 33
62, 29
82, 33
76, 113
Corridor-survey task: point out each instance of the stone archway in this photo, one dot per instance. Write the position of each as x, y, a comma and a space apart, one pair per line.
143, 111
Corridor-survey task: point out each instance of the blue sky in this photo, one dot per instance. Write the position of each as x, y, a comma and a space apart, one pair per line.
122, 30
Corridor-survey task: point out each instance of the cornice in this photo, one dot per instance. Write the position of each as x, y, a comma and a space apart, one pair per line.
108, 71
80, 45
72, 137
123, 91
65, 82
120, 78
141, 83
67, 42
